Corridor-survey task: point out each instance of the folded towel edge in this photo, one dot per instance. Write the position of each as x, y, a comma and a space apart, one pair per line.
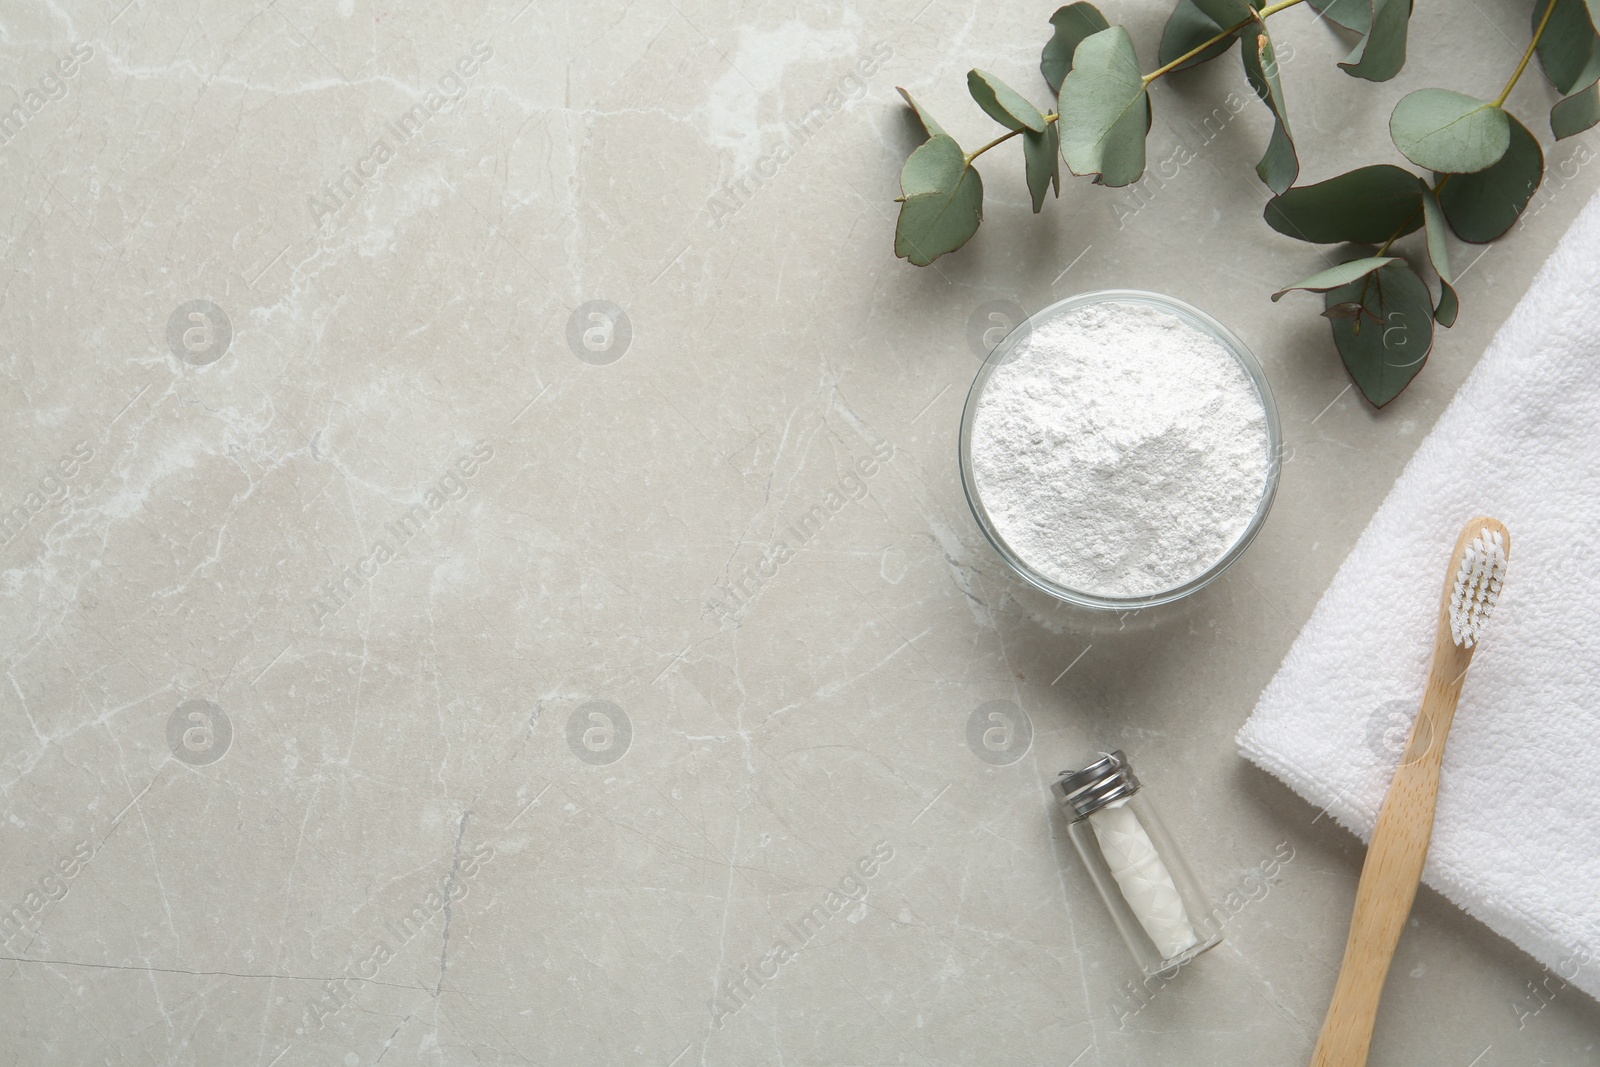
1511, 924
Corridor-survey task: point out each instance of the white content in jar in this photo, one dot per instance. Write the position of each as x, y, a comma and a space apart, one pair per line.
1143, 879
1121, 450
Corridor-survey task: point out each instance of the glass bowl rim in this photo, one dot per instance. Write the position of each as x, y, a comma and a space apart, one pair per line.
1184, 310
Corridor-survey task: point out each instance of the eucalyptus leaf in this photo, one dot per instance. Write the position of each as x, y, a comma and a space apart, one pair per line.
935, 166
1444, 313
1280, 166
1482, 206
1187, 29
1335, 277
1071, 24
1385, 347
1365, 206
1225, 13
1578, 112
1105, 110
932, 224
1347, 310
1382, 52
942, 202
1353, 15
1002, 103
1041, 154
1449, 132
929, 126
1567, 48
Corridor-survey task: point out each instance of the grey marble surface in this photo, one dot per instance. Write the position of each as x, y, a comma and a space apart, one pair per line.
526, 784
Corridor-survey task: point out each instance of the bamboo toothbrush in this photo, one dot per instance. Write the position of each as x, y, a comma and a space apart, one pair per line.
1405, 823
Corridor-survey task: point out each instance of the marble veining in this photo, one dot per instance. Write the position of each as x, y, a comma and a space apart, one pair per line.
485, 573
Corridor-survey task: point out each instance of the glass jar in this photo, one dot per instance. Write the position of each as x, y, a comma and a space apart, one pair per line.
1135, 864
1007, 350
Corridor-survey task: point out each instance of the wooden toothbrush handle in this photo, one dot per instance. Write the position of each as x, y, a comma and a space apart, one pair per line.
1393, 867
1383, 901
1400, 838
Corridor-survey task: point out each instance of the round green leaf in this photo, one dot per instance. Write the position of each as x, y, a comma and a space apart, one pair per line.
1482, 206
1567, 48
935, 165
1071, 24
1353, 15
1041, 153
1385, 345
1365, 206
1225, 13
1382, 52
1002, 103
942, 203
1187, 29
1335, 277
1449, 132
1578, 112
929, 126
1104, 110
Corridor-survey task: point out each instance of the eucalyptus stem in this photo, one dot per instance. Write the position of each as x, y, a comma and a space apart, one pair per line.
1395, 236
1004, 137
1258, 16
1532, 45
1406, 225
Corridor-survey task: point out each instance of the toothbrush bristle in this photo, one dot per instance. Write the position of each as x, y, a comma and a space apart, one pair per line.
1477, 587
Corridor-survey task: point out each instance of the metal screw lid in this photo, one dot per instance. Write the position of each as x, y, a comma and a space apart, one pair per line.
1103, 782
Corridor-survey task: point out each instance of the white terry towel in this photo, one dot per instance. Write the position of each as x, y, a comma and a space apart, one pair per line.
1516, 840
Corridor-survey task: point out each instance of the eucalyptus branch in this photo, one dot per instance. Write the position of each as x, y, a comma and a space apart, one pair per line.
1004, 137
1259, 16
1491, 163
1167, 68
1511, 83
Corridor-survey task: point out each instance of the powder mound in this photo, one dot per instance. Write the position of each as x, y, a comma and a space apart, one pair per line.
1121, 451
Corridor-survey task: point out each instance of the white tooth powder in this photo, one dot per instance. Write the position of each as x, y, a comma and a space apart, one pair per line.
1121, 451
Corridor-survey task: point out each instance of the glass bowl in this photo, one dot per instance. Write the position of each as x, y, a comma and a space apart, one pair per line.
1004, 351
